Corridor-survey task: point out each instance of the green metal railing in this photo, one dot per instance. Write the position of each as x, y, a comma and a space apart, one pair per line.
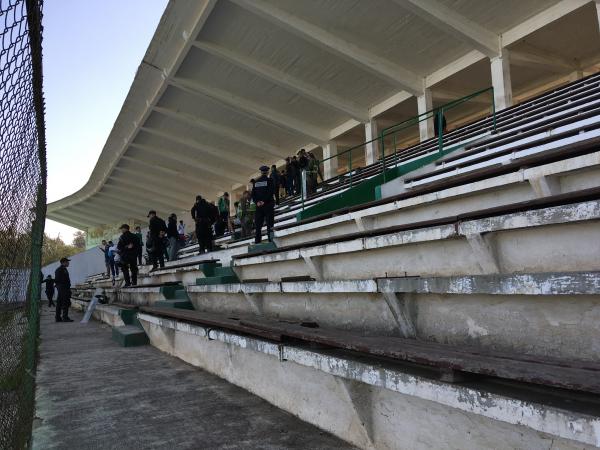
393, 132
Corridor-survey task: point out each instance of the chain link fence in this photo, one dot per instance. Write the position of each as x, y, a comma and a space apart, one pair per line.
22, 213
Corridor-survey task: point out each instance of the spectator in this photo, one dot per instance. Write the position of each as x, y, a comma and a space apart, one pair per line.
202, 214
138, 234
224, 207
104, 249
283, 184
128, 247
297, 175
290, 175
262, 195
173, 236
181, 230
63, 285
275, 177
311, 173
114, 267
157, 231
247, 210
49, 281
436, 125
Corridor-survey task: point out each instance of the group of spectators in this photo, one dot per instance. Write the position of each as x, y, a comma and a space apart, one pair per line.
288, 181
256, 207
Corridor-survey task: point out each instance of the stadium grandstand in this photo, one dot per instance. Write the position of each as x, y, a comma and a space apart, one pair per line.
433, 281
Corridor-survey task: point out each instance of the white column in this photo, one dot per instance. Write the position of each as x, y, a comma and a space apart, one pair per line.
372, 148
424, 104
330, 166
500, 67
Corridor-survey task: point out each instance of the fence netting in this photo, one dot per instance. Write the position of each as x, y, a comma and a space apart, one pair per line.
22, 213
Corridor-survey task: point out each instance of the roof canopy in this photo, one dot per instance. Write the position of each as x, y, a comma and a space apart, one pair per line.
228, 85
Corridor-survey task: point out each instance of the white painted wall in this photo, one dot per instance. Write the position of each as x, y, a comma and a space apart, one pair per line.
86, 263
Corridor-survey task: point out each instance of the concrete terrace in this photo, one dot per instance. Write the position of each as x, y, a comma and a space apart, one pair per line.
92, 394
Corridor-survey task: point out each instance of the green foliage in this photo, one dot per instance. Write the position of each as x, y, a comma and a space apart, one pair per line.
54, 249
79, 240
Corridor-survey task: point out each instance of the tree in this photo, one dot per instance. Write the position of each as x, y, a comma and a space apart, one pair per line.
54, 249
79, 240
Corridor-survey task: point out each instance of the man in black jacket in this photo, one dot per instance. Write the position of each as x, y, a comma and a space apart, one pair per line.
203, 215
173, 236
49, 281
262, 195
128, 247
63, 285
157, 228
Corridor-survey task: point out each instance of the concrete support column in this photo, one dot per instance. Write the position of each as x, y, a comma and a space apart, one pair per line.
330, 166
372, 148
500, 67
424, 104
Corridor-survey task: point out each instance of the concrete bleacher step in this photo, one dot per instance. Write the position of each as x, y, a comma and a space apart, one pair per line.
175, 297
263, 246
222, 275
129, 336
208, 269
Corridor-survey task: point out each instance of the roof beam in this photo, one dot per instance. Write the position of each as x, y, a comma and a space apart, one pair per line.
140, 204
152, 183
252, 109
528, 55
540, 20
181, 175
136, 193
189, 162
458, 26
87, 217
221, 130
204, 149
280, 78
60, 218
384, 69
117, 209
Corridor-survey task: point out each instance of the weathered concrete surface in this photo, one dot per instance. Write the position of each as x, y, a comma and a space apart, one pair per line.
91, 393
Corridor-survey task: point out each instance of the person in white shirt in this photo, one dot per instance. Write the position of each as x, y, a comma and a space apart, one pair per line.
181, 229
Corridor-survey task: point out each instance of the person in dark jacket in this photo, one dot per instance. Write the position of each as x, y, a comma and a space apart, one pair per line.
173, 236
262, 195
203, 214
274, 175
63, 285
49, 282
436, 123
158, 229
138, 234
297, 179
128, 247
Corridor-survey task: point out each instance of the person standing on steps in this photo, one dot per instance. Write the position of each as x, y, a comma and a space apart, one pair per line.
128, 247
262, 195
157, 229
63, 285
138, 234
202, 214
49, 282
173, 236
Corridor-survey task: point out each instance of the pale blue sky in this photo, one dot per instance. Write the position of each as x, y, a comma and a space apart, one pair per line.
92, 49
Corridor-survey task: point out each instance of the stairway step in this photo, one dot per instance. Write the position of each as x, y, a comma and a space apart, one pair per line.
181, 295
223, 272
129, 317
178, 304
208, 269
129, 336
262, 247
225, 279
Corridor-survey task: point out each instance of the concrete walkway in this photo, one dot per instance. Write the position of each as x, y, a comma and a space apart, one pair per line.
93, 394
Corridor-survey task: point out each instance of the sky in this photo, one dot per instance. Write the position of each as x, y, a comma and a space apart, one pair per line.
92, 49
